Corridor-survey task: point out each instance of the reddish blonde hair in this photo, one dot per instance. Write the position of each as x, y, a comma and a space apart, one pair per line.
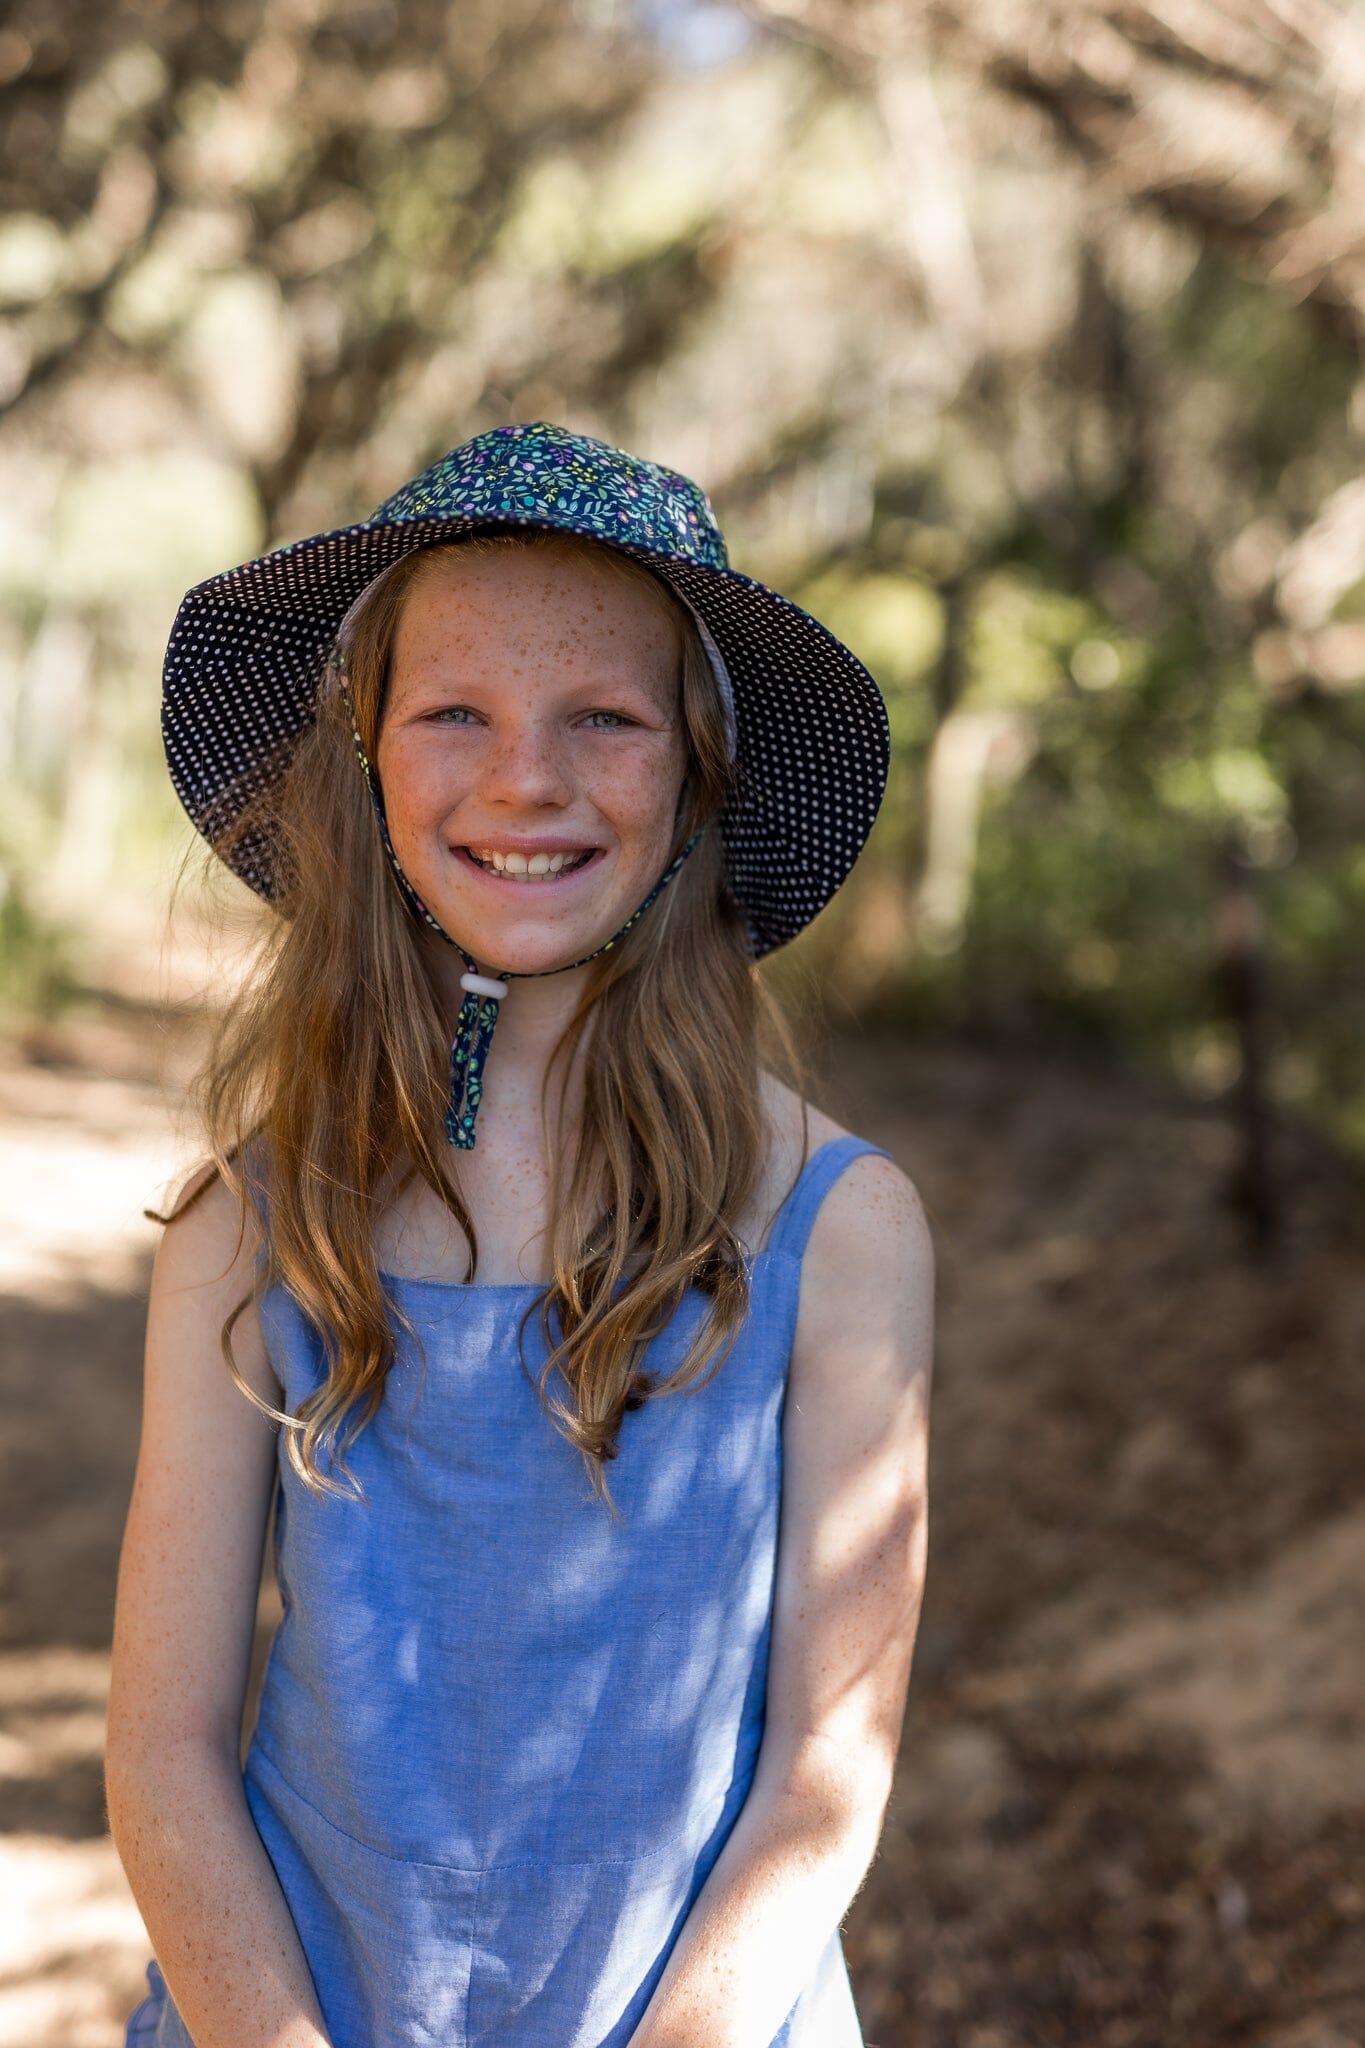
330, 1069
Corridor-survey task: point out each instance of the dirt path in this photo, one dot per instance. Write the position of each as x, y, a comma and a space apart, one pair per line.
1131, 1808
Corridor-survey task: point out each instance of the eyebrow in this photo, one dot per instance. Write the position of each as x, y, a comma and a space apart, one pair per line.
428, 681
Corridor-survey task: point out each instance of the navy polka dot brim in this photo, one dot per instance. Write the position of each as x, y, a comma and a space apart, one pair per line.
249, 648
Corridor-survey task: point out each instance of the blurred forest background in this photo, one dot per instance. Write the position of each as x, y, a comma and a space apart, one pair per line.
1020, 341
1020, 344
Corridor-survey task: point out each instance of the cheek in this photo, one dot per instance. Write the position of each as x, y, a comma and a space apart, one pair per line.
637, 786
417, 789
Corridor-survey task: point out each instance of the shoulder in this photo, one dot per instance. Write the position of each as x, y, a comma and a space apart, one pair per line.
873, 1200
204, 1267
795, 1129
870, 1242
873, 1219
870, 1247
209, 1228
865, 1312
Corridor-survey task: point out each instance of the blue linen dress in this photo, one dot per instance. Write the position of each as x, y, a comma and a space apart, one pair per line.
502, 1740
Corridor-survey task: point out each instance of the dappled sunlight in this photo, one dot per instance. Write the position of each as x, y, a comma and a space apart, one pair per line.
1021, 346
522, 1584
1131, 1421
52, 1705
71, 1202
81, 1152
71, 1941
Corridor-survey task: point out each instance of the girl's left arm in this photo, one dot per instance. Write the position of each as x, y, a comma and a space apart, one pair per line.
849, 1584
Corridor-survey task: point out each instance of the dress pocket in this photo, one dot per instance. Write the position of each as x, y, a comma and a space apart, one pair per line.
570, 1952
388, 1941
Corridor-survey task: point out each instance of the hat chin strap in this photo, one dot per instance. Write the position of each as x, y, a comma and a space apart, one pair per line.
482, 1004
483, 993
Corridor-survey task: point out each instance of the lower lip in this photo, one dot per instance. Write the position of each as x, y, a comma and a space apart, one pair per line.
528, 884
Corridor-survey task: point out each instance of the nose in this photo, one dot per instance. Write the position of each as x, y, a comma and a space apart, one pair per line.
525, 763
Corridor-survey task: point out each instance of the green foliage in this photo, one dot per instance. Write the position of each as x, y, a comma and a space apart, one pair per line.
1054, 490
39, 976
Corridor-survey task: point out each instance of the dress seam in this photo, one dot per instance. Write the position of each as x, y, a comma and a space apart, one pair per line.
708, 1807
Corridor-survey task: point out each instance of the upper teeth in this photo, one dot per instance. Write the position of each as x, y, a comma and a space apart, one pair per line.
518, 864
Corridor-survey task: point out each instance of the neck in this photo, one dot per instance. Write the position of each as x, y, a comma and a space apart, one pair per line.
532, 1017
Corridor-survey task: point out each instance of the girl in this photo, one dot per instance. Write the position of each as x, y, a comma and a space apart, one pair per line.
558, 1745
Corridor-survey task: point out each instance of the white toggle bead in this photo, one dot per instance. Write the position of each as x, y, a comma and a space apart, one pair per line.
482, 985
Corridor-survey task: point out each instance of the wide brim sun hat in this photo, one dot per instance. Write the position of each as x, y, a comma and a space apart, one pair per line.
807, 725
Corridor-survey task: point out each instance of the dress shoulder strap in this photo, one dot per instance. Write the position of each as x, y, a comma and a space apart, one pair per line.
795, 1219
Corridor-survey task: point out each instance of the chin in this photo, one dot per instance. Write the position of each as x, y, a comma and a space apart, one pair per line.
542, 942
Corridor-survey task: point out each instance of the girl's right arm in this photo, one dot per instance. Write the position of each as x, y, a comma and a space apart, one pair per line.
184, 1619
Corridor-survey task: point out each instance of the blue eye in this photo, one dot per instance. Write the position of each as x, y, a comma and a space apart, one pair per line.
451, 712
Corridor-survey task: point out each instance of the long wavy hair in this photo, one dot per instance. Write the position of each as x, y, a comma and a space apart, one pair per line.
326, 1077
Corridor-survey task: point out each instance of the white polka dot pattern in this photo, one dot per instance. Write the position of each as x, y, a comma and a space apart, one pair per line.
248, 650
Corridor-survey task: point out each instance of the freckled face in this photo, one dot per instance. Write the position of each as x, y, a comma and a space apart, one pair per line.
533, 705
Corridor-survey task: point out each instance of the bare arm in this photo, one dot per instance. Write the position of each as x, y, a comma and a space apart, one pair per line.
189, 1573
850, 1574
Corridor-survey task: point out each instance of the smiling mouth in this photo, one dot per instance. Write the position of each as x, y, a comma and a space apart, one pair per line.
527, 878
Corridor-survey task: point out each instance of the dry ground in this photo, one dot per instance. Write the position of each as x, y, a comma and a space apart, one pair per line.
1131, 1809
